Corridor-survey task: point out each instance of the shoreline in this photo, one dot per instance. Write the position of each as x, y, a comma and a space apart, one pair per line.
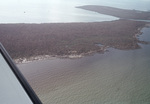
102, 50
75, 40
52, 57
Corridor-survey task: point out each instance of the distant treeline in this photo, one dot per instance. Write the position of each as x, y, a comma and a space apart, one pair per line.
26, 40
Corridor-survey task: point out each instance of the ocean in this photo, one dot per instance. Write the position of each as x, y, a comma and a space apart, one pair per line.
54, 11
115, 77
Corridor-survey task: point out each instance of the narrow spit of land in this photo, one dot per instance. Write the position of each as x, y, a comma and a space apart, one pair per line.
64, 39
117, 12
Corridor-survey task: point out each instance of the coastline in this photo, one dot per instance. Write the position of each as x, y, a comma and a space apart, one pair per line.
140, 33
75, 56
52, 57
35, 42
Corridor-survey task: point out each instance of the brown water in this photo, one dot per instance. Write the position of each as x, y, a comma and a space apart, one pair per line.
116, 77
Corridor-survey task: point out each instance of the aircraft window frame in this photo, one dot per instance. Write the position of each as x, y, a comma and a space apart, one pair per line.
27, 88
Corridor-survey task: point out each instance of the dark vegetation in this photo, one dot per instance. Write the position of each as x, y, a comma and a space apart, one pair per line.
120, 13
26, 40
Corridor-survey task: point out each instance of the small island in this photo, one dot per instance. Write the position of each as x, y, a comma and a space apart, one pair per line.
71, 40
120, 13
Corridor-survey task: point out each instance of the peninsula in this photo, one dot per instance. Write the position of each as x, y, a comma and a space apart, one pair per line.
117, 12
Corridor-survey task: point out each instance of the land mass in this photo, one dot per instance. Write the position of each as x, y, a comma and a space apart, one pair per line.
64, 39
38, 41
120, 13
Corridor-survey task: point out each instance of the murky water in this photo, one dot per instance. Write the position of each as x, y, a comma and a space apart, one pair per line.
115, 77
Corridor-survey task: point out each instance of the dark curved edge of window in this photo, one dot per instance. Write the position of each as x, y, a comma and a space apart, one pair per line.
34, 98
